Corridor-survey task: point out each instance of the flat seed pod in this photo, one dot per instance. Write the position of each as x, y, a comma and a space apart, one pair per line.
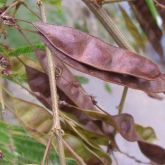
91, 51
154, 86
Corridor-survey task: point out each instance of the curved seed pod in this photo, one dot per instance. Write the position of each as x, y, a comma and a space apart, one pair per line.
67, 83
91, 51
154, 86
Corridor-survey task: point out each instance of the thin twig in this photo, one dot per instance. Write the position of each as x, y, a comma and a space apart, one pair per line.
56, 129
26, 30
115, 1
102, 110
113, 30
159, 4
122, 101
47, 149
28, 8
76, 156
24, 36
11, 6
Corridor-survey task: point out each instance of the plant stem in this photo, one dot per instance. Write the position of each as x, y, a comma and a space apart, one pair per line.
47, 149
159, 4
114, 1
114, 31
10, 6
108, 24
122, 101
56, 129
28, 8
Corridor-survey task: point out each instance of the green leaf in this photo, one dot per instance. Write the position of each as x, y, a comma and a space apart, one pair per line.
18, 147
38, 121
108, 88
56, 3
82, 79
17, 77
3, 50
25, 50
2, 3
146, 133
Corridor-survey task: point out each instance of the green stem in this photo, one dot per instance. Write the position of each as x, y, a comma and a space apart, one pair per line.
56, 129
122, 101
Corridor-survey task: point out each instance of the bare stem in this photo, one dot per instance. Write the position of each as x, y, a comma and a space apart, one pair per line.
122, 101
114, 1
108, 24
56, 129
47, 149
11, 6
28, 8
114, 31
159, 4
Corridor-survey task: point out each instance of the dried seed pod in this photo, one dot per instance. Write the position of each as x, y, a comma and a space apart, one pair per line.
91, 51
154, 86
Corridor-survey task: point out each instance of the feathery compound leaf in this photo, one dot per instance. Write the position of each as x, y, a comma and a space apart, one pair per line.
40, 125
2, 3
16, 147
25, 50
